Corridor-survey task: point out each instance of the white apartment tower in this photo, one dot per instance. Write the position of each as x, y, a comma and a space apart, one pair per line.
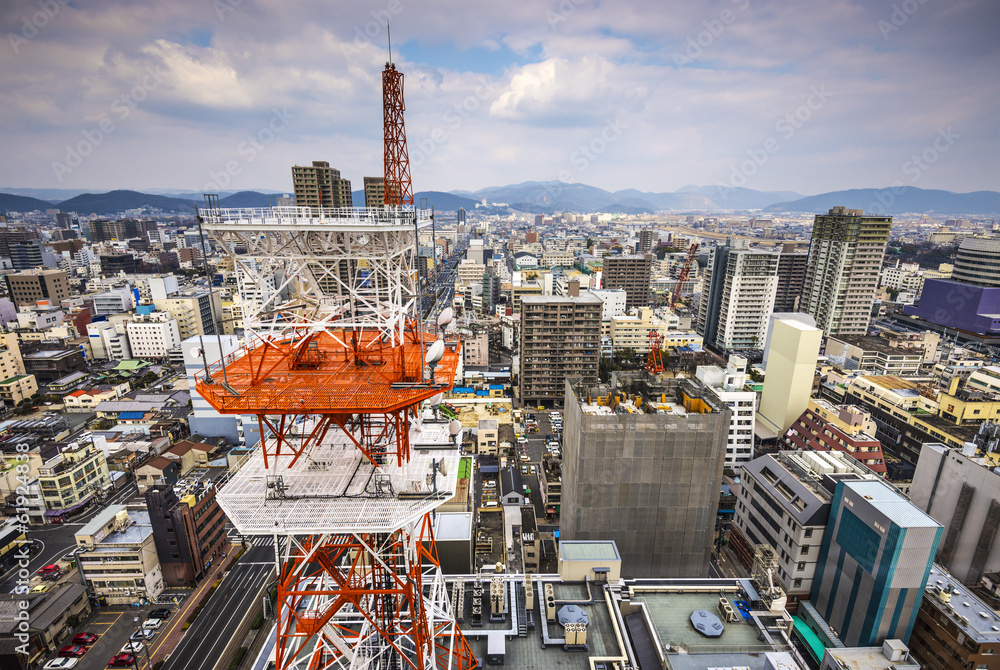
738, 297
728, 387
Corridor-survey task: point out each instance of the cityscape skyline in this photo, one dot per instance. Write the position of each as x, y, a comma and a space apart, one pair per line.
767, 95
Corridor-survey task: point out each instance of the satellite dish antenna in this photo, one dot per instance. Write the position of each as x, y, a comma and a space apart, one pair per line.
436, 400
435, 352
445, 317
196, 352
454, 426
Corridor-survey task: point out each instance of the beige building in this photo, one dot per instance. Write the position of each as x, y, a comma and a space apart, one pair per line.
11, 363
73, 477
14, 390
791, 366
487, 437
374, 191
194, 310
27, 287
117, 557
632, 331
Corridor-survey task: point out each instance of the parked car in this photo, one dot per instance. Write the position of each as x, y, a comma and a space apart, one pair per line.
73, 651
152, 624
142, 635
132, 647
122, 661
61, 664
41, 588
162, 613
86, 639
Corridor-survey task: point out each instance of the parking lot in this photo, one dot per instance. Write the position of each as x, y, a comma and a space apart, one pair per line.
113, 626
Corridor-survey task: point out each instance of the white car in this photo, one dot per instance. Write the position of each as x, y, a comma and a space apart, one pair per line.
132, 647
61, 664
152, 624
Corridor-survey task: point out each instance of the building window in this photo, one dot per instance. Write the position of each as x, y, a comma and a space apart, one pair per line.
800, 567
797, 584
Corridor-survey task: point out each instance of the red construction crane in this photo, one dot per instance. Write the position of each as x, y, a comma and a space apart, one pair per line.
685, 271
654, 362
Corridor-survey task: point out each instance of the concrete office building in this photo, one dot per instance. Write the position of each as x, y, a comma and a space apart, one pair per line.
873, 565
784, 501
642, 464
319, 185
964, 496
647, 240
613, 302
195, 311
845, 259
632, 273
560, 340
117, 556
28, 287
739, 293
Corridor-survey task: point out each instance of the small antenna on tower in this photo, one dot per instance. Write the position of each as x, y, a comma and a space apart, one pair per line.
388, 35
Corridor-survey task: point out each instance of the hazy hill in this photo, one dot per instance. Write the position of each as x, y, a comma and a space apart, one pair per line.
897, 200
22, 203
113, 202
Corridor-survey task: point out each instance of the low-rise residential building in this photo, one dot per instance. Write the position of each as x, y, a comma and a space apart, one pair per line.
487, 437
72, 479
49, 365
878, 354
153, 335
632, 331
828, 427
87, 400
117, 556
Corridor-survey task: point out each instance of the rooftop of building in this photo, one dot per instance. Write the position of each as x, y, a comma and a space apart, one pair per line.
647, 394
11, 380
583, 298
890, 502
974, 618
132, 530
880, 345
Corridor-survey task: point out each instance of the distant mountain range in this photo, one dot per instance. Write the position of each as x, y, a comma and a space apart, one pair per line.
553, 196
897, 200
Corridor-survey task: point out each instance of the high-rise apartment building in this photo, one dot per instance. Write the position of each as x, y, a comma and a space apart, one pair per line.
873, 565
123, 229
647, 240
27, 255
25, 288
374, 191
738, 297
791, 281
319, 185
195, 311
642, 465
560, 340
845, 260
632, 273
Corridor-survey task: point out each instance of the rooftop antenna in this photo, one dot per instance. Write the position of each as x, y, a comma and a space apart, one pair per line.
388, 35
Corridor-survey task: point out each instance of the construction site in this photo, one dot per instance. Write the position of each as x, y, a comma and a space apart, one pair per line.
360, 456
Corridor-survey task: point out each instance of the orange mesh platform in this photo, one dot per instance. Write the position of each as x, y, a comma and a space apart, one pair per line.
330, 372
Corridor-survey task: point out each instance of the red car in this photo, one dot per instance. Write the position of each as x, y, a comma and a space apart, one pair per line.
122, 661
72, 651
85, 639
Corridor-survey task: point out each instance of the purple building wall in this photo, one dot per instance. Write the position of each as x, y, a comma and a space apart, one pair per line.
962, 306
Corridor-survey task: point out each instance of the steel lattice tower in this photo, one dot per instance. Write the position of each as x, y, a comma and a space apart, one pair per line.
348, 475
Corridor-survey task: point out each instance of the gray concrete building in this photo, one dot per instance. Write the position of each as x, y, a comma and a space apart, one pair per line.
963, 496
875, 559
642, 465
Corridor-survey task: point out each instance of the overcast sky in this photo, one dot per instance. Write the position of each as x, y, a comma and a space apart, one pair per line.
800, 95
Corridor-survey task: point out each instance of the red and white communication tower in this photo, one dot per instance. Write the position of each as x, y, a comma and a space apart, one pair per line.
348, 475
